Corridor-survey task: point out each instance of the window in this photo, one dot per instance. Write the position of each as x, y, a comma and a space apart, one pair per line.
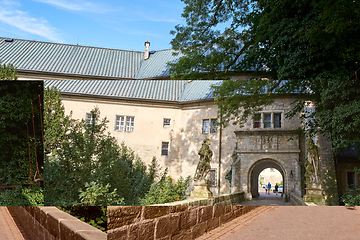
267, 120
119, 124
213, 127
209, 126
124, 123
257, 121
89, 118
277, 120
212, 177
129, 124
166, 122
164, 148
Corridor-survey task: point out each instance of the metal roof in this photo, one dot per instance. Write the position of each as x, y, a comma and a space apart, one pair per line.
199, 90
156, 66
27, 55
156, 90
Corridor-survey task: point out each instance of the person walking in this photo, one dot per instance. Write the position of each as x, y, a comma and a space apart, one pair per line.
276, 188
269, 188
265, 186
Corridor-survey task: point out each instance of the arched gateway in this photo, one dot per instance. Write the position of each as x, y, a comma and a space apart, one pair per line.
255, 171
260, 149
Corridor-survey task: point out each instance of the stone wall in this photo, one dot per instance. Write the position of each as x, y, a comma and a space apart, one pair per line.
163, 222
295, 200
50, 223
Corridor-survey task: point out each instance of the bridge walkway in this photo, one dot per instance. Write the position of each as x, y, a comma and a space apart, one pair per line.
8, 228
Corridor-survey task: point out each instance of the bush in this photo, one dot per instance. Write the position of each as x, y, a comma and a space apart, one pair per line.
97, 195
165, 191
94, 215
32, 195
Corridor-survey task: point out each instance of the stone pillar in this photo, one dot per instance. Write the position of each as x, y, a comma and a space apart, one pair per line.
327, 170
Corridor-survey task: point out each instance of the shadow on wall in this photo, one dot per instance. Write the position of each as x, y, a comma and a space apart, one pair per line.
185, 144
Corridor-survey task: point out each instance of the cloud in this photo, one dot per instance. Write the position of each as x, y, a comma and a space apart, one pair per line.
77, 5
22, 20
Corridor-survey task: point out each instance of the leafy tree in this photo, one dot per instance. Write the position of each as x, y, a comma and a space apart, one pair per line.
305, 48
98, 195
17, 131
88, 154
56, 123
8, 72
164, 190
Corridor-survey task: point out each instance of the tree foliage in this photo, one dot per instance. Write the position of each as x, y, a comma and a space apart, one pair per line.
8, 72
17, 131
87, 157
308, 49
165, 191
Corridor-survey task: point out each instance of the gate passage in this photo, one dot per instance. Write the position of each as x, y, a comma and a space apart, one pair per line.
37, 172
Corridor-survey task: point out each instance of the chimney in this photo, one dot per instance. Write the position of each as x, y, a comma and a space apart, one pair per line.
146, 55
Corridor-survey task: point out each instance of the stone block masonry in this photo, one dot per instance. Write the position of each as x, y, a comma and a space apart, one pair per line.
168, 222
50, 223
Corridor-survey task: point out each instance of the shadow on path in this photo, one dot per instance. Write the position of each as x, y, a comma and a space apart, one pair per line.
267, 200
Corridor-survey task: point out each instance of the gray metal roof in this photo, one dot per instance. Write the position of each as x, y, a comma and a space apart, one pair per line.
156, 90
27, 55
156, 66
199, 90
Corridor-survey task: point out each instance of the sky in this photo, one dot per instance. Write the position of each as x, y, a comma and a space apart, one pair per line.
116, 24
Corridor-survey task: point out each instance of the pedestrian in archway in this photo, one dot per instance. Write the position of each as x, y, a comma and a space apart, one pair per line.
269, 188
276, 188
265, 187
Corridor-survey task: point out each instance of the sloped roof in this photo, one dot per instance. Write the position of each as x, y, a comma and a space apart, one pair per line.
36, 56
156, 66
156, 90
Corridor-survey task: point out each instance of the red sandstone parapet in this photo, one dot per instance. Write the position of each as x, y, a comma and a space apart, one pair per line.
165, 222
50, 223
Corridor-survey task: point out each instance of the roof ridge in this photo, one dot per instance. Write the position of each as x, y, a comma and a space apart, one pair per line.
76, 45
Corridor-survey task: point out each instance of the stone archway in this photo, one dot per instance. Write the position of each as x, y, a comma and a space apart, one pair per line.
255, 171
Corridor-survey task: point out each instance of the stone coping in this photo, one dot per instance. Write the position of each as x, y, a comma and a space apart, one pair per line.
48, 223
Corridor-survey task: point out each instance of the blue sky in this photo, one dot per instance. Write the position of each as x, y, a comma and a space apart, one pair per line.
111, 24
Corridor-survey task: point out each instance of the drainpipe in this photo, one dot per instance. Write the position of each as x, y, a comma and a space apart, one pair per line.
220, 134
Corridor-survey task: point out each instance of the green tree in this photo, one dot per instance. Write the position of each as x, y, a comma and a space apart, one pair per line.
17, 131
88, 154
305, 48
8, 72
165, 191
56, 123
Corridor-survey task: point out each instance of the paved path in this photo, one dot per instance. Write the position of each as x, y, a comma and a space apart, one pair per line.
267, 200
292, 222
8, 228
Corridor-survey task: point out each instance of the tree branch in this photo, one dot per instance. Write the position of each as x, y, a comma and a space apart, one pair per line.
248, 44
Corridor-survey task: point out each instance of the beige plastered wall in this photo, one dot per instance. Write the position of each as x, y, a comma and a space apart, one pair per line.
184, 133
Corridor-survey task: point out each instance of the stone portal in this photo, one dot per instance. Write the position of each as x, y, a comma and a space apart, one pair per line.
260, 149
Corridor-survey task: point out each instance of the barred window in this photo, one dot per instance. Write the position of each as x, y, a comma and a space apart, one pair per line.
164, 148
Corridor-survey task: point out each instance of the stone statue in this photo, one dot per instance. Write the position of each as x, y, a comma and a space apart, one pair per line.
312, 164
203, 167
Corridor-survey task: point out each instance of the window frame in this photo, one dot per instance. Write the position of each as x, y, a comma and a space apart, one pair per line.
165, 124
276, 121
89, 121
130, 127
210, 126
121, 126
166, 148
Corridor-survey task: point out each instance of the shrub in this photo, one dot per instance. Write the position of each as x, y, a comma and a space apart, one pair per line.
165, 191
32, 195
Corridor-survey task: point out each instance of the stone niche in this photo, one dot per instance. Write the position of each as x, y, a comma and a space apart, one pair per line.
280, 148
